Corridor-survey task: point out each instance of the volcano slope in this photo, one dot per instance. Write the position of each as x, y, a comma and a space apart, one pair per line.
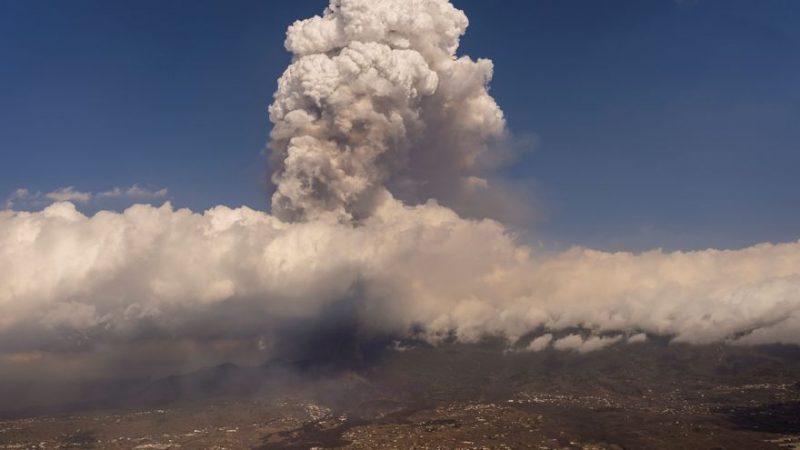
652, 395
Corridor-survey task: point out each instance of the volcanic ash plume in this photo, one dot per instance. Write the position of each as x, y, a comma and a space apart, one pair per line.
375, 97
375, 115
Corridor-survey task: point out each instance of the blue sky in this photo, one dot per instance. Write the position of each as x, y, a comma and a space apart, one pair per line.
658, 123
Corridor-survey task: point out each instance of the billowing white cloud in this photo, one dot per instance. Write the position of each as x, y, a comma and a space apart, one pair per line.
540, 343
114, 275
577, 343
637, 338
570, 342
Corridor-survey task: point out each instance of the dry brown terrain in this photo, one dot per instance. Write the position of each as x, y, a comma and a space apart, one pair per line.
644, 396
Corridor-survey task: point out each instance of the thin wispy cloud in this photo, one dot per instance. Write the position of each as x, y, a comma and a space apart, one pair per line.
24, 198
19, 196
69, 194
133, 192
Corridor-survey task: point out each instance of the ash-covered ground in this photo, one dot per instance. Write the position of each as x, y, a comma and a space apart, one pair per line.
651, 395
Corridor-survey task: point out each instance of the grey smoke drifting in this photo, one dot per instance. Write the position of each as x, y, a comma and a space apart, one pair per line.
381, 135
